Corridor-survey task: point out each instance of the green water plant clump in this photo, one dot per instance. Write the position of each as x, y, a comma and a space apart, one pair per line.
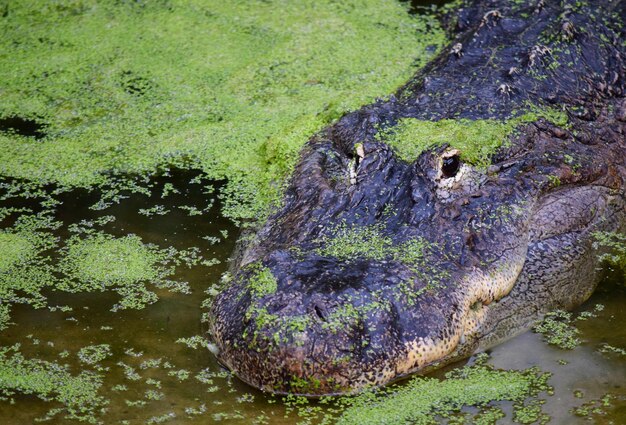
233, 88
93, 354
353, 243
428, 400
126, 265
557, 329
476, 140
78, 394
24, 271
34, 258
612, 246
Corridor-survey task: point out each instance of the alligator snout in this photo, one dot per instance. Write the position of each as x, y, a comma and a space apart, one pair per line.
316, 324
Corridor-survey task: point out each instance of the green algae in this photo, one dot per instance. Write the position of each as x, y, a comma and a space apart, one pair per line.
612, 246
78, 394
423, 399
125, 265
15, 249
421, 257
233, 88
476, 140
106, 261
557, 329
354, 243
595, 409
24, 270
350, 244
428, 400
262, 282
35, 259
94, 354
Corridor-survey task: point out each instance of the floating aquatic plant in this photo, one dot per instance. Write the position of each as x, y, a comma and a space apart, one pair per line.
233, 88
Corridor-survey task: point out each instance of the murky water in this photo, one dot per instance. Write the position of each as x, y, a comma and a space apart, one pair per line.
146, 339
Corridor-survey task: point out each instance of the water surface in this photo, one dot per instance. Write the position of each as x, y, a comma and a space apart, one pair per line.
149, 336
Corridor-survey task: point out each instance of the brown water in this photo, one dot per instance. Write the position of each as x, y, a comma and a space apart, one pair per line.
153, 331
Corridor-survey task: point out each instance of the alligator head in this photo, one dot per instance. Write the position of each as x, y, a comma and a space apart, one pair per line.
376, 267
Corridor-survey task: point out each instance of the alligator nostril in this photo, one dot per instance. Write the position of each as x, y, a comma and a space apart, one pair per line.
320, 313
450, 166
476, 306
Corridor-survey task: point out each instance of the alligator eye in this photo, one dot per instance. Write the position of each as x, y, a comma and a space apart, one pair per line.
450, 166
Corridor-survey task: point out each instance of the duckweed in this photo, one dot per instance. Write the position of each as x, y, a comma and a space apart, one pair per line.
357, 242
597, 408
262, 282
557, 329
24, 272
354, 243
78, 394
613, 248
476, 140
422, 400
15, 249
125, 265
233, 88
94, 354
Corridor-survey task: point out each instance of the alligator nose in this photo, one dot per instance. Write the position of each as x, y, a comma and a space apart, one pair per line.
321, 312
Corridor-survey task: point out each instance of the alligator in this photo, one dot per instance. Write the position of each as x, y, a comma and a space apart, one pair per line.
382, 262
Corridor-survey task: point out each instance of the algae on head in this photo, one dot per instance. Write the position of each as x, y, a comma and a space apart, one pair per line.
262, 282
352, 243
234, 88
476, 140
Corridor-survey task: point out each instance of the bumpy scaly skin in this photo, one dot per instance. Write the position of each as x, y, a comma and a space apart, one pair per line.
501, 246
